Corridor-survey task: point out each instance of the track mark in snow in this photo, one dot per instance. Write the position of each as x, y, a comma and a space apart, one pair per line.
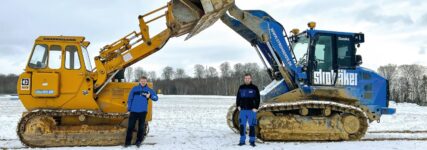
396, 131
8, 139
394, 139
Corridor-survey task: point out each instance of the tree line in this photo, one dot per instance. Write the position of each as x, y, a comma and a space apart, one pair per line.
206, 80
8, 83
408, 83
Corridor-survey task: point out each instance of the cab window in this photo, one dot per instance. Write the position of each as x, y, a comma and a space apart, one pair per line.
323, 53
72, 60
345, 52
86, 59
39, 58
300, 48
55, 57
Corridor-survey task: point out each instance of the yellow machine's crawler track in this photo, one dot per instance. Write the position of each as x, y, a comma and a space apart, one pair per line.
307, 120
41, 128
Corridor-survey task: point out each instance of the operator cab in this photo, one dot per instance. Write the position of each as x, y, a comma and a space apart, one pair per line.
55, 61
323, 54
48, 54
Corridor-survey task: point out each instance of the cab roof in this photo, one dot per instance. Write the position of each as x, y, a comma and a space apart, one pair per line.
79, 39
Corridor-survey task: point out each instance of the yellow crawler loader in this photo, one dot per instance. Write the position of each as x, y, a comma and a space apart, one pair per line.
69, 103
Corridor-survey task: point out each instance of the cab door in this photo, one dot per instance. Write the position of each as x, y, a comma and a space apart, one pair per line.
45, 61
321, 60
73, 74
333, 61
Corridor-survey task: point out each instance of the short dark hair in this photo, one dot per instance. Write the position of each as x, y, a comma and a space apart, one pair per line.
248, 74
143, 77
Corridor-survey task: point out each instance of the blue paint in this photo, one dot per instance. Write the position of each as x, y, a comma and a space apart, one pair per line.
137, 100
370, 90
247, 117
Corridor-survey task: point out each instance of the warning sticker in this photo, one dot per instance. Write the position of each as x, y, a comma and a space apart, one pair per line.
127, 57
25, 84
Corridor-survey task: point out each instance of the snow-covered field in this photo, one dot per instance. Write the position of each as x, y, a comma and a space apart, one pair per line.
198, 122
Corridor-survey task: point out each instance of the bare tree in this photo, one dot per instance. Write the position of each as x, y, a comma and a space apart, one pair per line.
225, 69
251, 68
199, 71
239, 70
152, 75
129, 74
388, 71
168, 73
8, 83
180, 73
226, 73
413, 75
211, 72
139, 72
423, 90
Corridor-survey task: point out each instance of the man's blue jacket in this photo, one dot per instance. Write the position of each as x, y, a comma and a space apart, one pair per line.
137, 101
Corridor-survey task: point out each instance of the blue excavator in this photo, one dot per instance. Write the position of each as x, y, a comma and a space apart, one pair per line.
318, 91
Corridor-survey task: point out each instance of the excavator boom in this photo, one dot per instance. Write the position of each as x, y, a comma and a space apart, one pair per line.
182, 17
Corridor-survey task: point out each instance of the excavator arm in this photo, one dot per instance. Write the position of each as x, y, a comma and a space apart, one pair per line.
266, 36
182, 17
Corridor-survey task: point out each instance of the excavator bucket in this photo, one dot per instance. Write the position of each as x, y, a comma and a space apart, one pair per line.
194, 16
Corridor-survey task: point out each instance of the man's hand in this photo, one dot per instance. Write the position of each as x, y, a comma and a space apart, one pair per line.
148, 95
254, 110
238, 108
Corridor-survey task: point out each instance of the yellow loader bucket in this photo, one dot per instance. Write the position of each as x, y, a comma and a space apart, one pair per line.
194, 16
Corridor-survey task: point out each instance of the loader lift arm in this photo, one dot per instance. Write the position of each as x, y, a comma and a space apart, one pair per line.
130, 49
182, 17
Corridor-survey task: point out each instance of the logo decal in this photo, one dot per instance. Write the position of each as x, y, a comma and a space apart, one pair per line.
288, 60
343, 39
25, 84
328, 78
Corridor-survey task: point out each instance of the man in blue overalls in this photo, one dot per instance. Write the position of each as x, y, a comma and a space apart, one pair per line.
137, 106
247, 102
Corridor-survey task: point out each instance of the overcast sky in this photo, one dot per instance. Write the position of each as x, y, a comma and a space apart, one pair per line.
395, 30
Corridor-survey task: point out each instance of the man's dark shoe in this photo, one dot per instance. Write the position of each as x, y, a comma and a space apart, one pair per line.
138, 144
253, 144
241, 144
126, 145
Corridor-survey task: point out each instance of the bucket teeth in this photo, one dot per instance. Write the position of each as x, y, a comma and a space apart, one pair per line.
193, 16
214, 9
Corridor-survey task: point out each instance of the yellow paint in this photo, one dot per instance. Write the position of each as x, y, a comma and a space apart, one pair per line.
74, 87
115, 95
45, 85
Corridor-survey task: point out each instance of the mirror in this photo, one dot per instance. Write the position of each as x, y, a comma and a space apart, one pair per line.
359, 60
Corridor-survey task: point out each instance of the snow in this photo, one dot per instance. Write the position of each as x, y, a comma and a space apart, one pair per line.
271, 86
198, 122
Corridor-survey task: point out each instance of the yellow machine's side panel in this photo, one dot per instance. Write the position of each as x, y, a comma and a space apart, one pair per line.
45, 85
115, 96
78, 100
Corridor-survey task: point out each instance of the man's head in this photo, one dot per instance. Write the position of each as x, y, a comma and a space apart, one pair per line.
248, 79
143, 80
